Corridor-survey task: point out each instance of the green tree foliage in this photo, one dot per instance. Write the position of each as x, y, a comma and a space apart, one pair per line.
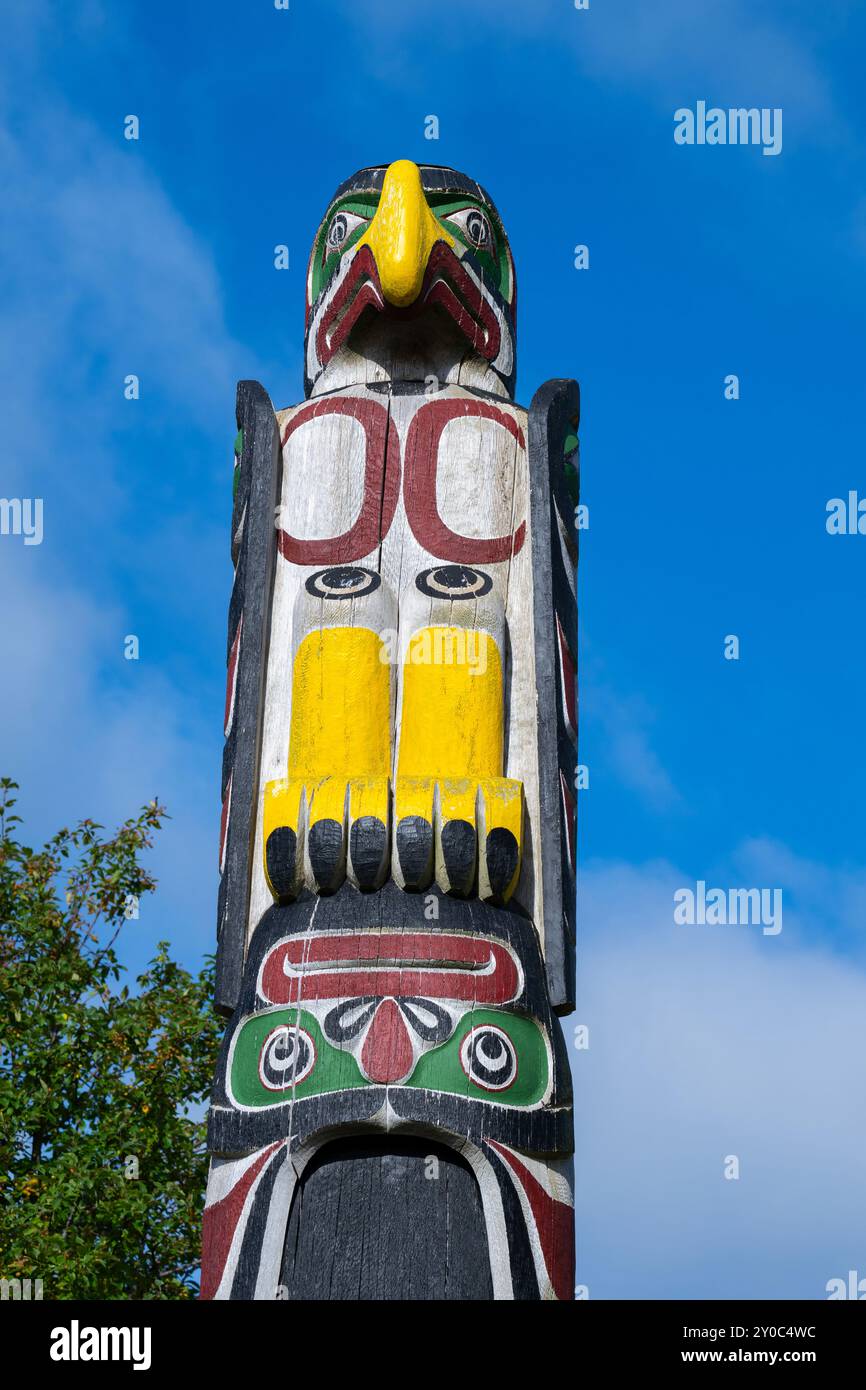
102, 1161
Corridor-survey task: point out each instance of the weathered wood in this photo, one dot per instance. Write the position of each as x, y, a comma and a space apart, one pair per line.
397, 919
253, 553
554, 417
430, 1241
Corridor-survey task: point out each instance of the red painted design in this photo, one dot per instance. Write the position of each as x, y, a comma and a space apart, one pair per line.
381, 484
419, 492
554, 1224
359, 291
446, 283
220, 1221
567, 677
336, 965
232, 679
387, 1054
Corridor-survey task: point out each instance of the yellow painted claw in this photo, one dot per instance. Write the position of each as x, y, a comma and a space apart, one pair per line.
330, 815
455, 817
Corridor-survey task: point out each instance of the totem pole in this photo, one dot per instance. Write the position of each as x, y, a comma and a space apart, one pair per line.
392, 1112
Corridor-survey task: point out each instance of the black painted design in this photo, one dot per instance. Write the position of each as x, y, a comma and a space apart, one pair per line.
368, 845
438, 1252
246, 1274
325, 847
454, 582
435, 178
281, 857
253, 550
343, 581
415, 851
420, 1012
489, 1059
459, 846
501, 855
553, 415
349, 1018
425, 1017
287, 1057
542, 1131
523, 1273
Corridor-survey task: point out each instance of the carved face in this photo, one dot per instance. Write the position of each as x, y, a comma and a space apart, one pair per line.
347, 1012
370, 1007
411, 243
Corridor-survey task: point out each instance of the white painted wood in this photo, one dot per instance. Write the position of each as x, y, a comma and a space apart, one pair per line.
482, 491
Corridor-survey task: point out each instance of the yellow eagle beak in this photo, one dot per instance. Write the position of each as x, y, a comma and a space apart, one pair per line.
402, 234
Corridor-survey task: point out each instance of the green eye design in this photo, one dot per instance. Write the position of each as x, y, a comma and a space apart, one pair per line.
489, 1059
475, 227
343, 224
281, 1055
287, 1056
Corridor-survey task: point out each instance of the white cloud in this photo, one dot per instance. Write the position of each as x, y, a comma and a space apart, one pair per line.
832, 895
95, 254
102, 276
707, 1042
82, 745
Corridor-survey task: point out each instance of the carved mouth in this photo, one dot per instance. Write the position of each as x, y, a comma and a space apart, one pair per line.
446, 284
359, 291
438, 965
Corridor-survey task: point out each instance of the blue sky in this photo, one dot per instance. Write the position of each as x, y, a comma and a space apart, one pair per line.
707, 516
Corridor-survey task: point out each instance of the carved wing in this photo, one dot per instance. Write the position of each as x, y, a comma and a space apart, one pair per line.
554, 480
253, 547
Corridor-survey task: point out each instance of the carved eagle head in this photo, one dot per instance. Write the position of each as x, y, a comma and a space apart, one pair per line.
413, 260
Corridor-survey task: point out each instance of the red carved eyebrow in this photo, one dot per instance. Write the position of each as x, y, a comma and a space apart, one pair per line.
435, 965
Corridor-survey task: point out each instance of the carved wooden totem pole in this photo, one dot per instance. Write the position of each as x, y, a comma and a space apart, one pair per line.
392, 1112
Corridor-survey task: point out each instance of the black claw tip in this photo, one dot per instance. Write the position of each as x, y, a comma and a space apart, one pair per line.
458, 852
325, 844
280, 856
502, 858
368, 843
415, 851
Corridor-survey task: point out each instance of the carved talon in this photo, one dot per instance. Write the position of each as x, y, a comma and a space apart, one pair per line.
500, 830
369, 848
413, 862
456, 836
284, 823
318, 833
466, 834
